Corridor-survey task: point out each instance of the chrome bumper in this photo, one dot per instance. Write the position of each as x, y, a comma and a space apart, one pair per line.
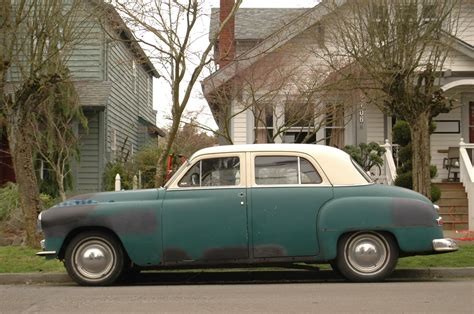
445, 245
46, 253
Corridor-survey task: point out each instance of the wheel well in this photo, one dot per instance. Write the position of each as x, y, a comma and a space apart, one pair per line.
384, 232
77, 231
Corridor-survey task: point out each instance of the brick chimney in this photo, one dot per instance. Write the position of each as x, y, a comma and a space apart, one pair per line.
227, 36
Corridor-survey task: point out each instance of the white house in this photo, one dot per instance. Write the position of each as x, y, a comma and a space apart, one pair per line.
264, 39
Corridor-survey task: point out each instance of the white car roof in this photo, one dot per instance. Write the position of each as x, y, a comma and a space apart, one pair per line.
335, 163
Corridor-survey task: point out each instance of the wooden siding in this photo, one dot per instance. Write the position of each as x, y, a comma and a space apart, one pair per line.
466, 22
128, 99
88, 178
86, 61
239, 126
457, 61
374, 122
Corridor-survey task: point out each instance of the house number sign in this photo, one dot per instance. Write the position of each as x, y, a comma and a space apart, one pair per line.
361, 114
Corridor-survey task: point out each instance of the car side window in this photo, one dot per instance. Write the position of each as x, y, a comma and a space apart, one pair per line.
276, 170
213, 172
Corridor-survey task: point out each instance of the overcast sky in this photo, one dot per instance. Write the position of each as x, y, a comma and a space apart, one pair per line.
161, 99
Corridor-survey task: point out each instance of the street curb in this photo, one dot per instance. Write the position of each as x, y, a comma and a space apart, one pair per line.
34, 278
255, 276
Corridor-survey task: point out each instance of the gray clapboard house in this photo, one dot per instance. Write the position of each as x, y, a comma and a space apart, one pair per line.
114, 80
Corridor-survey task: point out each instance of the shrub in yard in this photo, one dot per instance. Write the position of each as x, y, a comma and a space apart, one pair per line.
9, 200
366, 155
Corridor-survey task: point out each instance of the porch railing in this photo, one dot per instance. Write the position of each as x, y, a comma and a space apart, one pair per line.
389, 173
466, 174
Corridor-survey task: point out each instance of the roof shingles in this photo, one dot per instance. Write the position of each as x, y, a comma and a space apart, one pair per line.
268, 21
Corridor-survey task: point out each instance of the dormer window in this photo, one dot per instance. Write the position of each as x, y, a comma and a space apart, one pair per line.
428, 12
134, 76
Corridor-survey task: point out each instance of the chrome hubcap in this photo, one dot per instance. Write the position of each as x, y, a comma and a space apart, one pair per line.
366, 253
94, 259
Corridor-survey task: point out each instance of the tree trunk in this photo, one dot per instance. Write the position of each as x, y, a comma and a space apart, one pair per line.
60, 181
21, 150
421, 155
161, 166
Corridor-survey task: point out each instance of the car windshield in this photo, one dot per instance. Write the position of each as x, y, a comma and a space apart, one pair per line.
362, 172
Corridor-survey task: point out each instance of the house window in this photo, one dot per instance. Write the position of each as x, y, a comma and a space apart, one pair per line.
263, 115
334, 126
406, 12
149, 89
320, 34
299, 115
428, 12
379, 13
134, 76
114, 141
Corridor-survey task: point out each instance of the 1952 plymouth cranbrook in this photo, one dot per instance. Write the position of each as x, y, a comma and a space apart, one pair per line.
245, 205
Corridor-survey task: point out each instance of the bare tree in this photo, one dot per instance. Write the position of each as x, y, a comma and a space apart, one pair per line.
34, 36
284, 93
392, 53
172, 24
54, 133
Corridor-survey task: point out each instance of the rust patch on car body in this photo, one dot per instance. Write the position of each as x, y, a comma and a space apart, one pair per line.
175, 255
270, 250
236, 252
411, 213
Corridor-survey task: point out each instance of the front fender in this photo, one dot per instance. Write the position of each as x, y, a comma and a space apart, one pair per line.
411, 221
136, 224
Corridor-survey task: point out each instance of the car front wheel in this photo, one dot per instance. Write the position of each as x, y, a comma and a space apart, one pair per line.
94, 259
366, 256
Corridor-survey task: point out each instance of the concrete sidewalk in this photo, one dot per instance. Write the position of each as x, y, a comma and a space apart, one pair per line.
160, 278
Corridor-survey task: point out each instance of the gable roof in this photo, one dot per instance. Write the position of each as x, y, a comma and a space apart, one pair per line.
247, 18
279, 37
274, 41
460, 45
114, 19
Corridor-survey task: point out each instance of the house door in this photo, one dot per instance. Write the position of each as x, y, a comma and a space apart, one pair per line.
471, 122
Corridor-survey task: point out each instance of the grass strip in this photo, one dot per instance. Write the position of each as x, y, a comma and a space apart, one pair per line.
19, 259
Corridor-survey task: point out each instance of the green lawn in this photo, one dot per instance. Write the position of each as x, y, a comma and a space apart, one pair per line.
17, 259
462, 258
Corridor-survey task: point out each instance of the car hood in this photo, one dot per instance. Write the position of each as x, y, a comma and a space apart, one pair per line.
110, 197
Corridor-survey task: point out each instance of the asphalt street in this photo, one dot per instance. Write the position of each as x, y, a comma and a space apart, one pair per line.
436, 296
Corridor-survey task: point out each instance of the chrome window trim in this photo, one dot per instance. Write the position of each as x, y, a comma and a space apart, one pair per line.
207, 188
299, 169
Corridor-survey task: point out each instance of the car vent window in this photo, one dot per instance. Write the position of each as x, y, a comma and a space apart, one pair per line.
213, 172
309, 175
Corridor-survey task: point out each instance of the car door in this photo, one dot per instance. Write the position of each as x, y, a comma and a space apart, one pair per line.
205, 213
286, 194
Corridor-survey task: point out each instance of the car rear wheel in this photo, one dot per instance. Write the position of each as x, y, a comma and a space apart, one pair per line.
366, 256
94, 259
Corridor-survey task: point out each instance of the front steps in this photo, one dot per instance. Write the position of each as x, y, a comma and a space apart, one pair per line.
453, 206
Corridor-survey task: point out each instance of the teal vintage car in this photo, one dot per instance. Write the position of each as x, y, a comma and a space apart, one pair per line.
273, 204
